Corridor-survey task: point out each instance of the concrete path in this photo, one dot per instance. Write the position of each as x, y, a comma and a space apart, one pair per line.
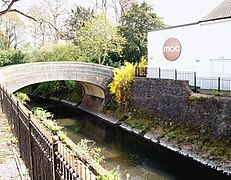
11, 166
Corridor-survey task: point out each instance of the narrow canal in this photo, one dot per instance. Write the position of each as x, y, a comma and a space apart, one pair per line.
122, 151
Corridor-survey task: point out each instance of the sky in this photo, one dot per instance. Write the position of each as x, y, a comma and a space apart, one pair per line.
177, 12
173, 12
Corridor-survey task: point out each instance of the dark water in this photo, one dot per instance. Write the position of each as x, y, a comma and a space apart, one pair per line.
127, 153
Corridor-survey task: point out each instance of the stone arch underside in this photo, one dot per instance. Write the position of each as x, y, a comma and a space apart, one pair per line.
93, 78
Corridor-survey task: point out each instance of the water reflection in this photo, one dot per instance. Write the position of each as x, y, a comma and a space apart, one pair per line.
128, 153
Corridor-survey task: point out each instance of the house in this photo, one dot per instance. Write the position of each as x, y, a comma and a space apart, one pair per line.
203, 47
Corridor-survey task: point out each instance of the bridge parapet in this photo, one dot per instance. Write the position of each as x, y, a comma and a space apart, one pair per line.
93, 77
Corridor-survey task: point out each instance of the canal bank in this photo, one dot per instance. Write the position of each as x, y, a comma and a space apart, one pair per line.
185, 153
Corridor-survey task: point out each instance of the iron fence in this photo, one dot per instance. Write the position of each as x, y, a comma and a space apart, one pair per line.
208, 85
45, 157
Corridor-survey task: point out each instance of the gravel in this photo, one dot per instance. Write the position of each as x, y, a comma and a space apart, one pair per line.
11, 165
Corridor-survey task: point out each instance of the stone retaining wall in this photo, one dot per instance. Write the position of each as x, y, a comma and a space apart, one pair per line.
174, 101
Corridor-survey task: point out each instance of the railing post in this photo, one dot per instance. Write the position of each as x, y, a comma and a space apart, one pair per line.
54, 159
159, 72
195, 82
1, 96
219, 85
19, 128
175, 74
30, 148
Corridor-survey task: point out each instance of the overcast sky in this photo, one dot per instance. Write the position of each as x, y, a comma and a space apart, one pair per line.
174, 12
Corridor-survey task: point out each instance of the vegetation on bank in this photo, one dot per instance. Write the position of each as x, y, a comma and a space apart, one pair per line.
200, 141
67, 90
85, 149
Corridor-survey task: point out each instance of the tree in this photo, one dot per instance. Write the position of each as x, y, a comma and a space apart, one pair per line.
10, 57
48, 24
8, 6
99, 37
120, 7
75, 21
135, 26
53, 52
11, 31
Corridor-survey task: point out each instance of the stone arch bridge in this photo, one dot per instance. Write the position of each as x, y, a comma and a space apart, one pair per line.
94, 78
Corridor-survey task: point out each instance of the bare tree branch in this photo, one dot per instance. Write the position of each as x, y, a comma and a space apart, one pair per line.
52, 25
17, 11
9, 9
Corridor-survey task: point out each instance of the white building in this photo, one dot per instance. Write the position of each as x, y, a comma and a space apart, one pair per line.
203, 47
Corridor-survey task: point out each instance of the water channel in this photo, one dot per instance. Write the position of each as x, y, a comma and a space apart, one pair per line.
125, 152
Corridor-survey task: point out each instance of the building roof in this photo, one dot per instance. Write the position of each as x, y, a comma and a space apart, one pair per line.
222, 11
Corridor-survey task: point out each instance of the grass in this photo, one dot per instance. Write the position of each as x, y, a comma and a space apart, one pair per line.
202, 141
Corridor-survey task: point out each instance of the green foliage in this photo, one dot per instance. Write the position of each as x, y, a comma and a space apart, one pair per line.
75, 21
47, 119
139, 123
68, 90
110, 175
85, 149
121, 84
22, 97
10, 57
199, 97
54, 52
98, 37
135, 26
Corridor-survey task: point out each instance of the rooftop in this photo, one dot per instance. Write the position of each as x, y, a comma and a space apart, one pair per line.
222, 11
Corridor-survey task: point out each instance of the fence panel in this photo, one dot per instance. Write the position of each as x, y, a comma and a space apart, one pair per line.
207, 85
189, 76
41, 150
167, 73
44, 158
153, 73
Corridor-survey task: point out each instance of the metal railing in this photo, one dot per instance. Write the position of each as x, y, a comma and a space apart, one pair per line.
45, 157
207, 85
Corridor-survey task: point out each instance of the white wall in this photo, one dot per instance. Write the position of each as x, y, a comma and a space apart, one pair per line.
216, 48
206, 48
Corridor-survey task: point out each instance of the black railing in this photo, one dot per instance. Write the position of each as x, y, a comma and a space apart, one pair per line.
207, 85
140, 71
46, 158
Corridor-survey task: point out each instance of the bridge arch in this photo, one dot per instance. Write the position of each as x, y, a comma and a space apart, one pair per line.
94, 78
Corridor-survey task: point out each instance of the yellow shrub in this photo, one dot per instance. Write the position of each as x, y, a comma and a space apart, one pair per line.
121, 84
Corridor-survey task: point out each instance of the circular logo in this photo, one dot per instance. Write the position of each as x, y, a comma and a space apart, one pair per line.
172, 49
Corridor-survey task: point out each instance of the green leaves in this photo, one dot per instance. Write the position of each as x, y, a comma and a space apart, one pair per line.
54, 52
99, 37
135, 26
22, 97
11, 56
